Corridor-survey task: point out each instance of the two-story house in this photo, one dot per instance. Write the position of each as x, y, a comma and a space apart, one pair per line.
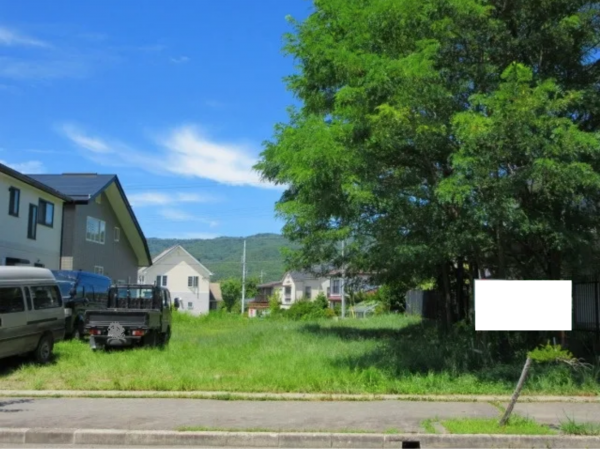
31, 216
100, 232
184, 276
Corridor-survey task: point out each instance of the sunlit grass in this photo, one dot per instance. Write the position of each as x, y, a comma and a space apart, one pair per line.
233, 354
517, 425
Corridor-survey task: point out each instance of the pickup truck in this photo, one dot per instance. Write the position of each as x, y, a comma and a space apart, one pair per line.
137, 315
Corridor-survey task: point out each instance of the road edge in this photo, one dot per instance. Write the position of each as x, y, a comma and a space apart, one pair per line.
108, 437
246, 396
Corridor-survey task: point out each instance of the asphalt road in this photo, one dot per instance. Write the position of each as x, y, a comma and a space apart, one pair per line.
171, 414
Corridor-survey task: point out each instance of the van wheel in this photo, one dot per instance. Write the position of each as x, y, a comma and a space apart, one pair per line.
43, 352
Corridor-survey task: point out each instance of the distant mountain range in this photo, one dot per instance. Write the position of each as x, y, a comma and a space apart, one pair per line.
223, 255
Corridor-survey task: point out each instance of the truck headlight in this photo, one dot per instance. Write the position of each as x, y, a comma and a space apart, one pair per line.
68, 312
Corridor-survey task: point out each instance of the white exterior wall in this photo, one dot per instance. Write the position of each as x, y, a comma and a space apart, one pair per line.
178, 266
317, 286
45, 249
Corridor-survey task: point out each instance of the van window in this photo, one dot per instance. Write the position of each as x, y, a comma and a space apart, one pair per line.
28, 297
46, 297
80, 292
11, 300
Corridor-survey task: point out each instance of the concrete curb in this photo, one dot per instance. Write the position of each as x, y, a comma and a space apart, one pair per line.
223, 395
79, 437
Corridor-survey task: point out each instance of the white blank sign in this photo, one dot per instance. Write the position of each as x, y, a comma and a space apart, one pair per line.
523, 305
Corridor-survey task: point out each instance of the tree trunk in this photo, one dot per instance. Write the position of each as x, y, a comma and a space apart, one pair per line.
517, 392
447, 295
501, 256
460, 292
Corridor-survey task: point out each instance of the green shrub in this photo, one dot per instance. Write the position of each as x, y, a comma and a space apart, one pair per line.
305, 310
321, 301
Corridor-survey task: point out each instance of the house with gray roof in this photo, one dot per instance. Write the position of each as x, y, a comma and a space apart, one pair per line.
100, 232
30, 221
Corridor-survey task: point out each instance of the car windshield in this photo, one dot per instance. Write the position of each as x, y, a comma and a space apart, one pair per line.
145, 293
65, 288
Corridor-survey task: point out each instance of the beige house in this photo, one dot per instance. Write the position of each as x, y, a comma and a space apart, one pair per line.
184, 276
31, 220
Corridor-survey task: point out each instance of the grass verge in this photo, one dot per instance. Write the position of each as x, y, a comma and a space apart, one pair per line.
571, 427
391, 354
517, 425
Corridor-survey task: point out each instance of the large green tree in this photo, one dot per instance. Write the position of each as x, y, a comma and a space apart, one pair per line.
439, 136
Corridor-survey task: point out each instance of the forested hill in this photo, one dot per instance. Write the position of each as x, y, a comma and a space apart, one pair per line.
223, 255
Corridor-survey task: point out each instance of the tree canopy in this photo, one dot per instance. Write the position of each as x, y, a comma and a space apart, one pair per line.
437, 137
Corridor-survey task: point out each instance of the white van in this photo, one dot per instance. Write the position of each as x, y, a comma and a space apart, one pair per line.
32, 317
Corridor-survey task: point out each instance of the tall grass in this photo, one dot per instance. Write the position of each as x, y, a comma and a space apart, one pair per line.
222, 352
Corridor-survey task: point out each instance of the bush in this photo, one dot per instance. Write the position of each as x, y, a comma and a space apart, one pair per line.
321, 301
306, 310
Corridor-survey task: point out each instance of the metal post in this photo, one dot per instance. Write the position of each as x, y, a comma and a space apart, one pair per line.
342, 287
244, 278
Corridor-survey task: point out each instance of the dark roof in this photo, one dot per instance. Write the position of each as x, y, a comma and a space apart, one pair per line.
269, 284
78, 186
30, 180
84, 187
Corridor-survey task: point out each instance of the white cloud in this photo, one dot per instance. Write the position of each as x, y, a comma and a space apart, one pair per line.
188, 235
184, 152
93, 144
11, 38
180, 60
28, 167
161, 199
189, 153
180, 215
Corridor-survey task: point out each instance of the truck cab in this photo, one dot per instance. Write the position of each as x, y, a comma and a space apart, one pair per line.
137, 315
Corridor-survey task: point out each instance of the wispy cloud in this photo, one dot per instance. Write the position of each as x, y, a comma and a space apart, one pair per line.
180, 60
188, 235
183, 151
92, 144
12, 38
28, 167
180, 215
191, 153
162, 199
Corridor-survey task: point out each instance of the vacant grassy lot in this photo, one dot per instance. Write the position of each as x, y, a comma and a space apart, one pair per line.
389, 354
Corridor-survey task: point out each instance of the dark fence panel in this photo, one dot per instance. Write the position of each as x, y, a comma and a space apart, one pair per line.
423, 303
586, 306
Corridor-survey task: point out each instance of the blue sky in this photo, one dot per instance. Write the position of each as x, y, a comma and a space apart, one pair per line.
176, 98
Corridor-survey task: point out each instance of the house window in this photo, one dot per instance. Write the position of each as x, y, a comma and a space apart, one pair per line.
32, 222
95, 230
15, 200
288, 293
335, 287
190, 305
161, 281
307, 292
98, 269
46, 213
117, 234
192, 281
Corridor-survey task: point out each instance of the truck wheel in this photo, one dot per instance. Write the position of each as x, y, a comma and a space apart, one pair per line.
151, 339
43, 352
165, 337
78, 333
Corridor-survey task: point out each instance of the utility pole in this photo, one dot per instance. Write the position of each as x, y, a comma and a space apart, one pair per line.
244, 278
261, 276
342, 287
